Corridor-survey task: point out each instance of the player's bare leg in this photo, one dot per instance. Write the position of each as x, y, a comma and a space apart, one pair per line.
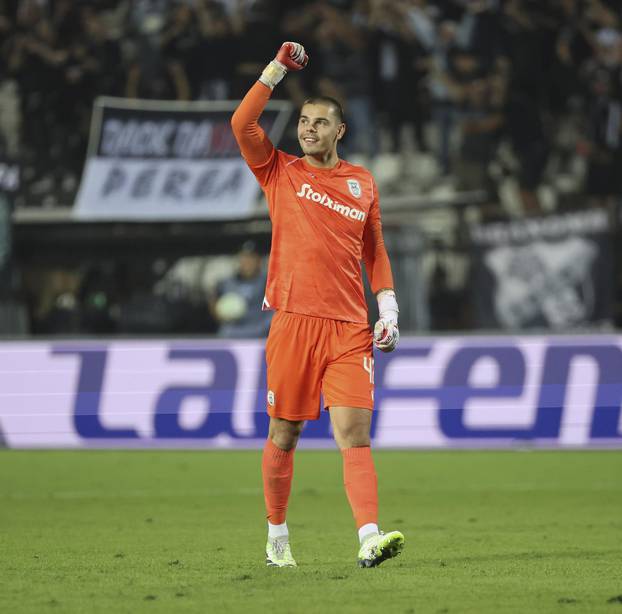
278, 471
351, 428
285, 433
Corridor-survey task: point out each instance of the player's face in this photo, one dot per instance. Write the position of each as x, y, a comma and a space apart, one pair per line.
319, 129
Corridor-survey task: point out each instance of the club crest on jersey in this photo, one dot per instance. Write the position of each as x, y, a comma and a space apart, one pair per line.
355, 187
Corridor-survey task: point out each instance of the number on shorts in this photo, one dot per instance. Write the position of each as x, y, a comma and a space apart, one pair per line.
368, 365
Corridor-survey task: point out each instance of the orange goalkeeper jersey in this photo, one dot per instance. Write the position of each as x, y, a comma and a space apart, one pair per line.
324, 223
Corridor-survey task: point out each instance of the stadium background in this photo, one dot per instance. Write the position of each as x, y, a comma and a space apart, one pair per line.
494, 129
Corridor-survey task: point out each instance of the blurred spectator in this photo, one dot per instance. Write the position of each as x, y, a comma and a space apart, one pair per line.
52, 298
572, 50
212, 60
255, 40
441, 89
99, 297
482, 122
9, 95
37, 58
152, 73
238, 300
530, 43
603, 146
480, 32
397, 71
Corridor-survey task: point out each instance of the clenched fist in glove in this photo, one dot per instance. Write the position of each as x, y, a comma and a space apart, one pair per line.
291, 56
386, 332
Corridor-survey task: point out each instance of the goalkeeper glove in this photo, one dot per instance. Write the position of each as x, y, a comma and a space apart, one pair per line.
291, 56
386, 332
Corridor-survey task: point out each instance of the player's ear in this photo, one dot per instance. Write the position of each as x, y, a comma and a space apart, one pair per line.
341, 130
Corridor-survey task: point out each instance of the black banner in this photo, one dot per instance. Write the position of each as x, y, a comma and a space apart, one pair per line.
550, 272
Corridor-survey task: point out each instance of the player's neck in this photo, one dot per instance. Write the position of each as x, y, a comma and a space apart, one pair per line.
328, 159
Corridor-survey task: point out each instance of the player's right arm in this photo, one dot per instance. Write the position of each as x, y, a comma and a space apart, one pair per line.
256, 147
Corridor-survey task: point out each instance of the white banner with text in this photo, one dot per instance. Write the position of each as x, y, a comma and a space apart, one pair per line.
158, 160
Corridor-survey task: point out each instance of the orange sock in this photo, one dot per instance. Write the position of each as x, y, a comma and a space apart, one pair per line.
359, 478
277, 468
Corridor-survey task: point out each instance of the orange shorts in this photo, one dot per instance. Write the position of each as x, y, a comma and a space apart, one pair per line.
307, 356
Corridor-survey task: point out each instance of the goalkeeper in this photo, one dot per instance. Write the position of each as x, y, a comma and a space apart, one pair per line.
325, 220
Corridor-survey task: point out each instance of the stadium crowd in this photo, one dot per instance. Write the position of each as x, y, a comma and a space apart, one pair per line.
453, 94
479, 81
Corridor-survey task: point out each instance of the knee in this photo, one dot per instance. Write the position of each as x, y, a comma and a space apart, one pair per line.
352, 436
284, 434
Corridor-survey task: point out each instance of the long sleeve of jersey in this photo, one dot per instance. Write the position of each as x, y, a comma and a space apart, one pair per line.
375, 254
256, 147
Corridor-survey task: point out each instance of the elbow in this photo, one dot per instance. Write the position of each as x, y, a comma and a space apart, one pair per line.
236, 124
240, 123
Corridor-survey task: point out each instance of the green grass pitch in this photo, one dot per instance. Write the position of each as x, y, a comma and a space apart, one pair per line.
183, 531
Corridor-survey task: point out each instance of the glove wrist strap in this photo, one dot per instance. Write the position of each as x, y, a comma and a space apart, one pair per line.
272, 74
387, 306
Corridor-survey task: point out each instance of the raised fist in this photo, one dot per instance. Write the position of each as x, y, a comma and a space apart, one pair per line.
292, 56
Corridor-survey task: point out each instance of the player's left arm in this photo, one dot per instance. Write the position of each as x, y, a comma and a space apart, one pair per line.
378, 267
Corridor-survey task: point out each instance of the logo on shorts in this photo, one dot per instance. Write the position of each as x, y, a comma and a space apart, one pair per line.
355, 187
271, 398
